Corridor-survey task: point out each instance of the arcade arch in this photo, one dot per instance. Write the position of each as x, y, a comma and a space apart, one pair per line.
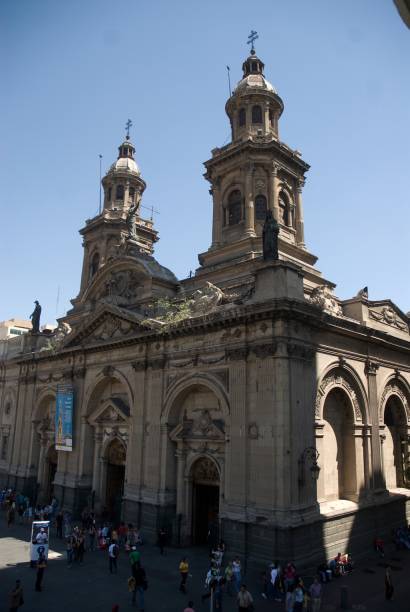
395, 430
196, 415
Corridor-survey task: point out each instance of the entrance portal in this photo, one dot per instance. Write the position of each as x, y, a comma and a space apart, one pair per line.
115, 479
52, 459
205, 502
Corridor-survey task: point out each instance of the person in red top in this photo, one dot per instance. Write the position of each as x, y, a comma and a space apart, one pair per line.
190, 607
122, 534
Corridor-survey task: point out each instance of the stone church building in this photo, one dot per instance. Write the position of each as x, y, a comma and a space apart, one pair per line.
247, 401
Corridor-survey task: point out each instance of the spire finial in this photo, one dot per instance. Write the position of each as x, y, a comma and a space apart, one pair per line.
251, 39
127, 128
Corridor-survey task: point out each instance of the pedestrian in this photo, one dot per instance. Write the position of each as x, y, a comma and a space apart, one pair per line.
219, 593
80, 547
289, 599
183, 570
388, 584
141, 585
162, 540
41, 566
70, 550
92, 532
315, 592
113, 552
190, 607
10, 515
237, 576
16, 597
299, 598
59, 524
244, 599
229, 578
134, 557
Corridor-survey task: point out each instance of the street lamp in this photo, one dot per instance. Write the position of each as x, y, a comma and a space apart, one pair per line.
310, 454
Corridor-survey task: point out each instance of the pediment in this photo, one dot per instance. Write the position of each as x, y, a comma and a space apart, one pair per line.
199, 428
120, 284
109, 323
113, 412
386, 313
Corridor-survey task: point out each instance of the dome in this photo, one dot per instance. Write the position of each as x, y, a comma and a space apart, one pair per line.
127, 164
254, 81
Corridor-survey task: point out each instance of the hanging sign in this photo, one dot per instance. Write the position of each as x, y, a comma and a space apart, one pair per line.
64, 418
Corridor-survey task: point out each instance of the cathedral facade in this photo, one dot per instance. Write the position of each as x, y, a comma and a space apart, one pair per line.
247, 401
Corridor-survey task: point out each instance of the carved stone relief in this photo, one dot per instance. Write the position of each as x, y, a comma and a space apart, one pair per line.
205, 471
121, 288
336, 379
388, 316
323, 297
392, 388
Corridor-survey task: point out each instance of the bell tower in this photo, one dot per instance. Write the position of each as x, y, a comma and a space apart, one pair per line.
119, 227
254, 173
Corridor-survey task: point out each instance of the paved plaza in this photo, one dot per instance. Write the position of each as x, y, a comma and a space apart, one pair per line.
91, 587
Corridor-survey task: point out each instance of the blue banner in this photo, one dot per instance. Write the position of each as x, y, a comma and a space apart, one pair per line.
64, 418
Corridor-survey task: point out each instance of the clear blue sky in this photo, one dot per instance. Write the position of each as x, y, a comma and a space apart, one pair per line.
73, 72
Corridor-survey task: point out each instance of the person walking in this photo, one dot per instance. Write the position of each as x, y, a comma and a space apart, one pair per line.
134, 557
162, 540
183, 570
237, 576
388, 584
229, 577
92, 534
112, 557
70, 550
141, 585
299, 598
80, 547
315, 593
244, 599
59, 524
16, 597
41, 566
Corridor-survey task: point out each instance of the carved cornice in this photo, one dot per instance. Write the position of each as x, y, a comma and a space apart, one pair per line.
237, 354
156, 364
300, 351
139, 366
262, 351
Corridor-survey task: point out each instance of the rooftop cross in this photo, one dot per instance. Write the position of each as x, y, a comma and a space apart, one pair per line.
251, 39
127, 127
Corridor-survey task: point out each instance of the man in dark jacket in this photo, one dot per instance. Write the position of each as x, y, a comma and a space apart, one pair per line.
141, 585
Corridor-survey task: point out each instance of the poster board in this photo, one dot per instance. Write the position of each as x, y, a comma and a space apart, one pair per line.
64, 418
39, 541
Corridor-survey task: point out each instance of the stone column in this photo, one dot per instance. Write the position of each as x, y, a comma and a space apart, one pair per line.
97, 461
217, 213
249, 202
181, 457
266, 118
300, 232
273, 183
377, 478
359, 449
319, 438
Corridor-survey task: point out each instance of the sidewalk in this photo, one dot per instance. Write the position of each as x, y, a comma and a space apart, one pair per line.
92, 588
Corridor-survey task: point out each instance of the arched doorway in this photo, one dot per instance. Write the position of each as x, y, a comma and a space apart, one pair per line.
339, 462
395, 446
205, 501
115, 475
51, 469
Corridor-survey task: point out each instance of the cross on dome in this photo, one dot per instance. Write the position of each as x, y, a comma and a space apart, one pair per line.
127, 128
251, 39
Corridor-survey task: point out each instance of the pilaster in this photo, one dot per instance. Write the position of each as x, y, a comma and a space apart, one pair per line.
377, 477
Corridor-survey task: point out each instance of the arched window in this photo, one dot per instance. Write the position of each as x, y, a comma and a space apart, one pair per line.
234, 207
95, 262
271, 118
260, 208
132, 193
119, 193
109, 194
284, 216
242, 117
256, 114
